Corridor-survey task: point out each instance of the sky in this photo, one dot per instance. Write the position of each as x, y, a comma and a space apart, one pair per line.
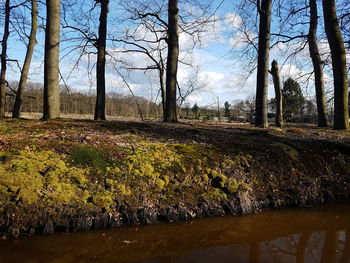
221, 75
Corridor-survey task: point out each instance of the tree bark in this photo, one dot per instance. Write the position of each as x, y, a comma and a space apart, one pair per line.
317, 64
26, 66
162, 90
278, 91
340, 75
263, 63
51, 62
4, 59
101, 62
172, 61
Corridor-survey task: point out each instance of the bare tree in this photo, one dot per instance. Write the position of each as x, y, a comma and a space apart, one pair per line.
101, 62
172, 61
290, 32
26, 65
79, 24
4, 59
317, 65
264, 10
151, 47
192, 85
150, 34
278, 91
344, 19
340, 75
51, 61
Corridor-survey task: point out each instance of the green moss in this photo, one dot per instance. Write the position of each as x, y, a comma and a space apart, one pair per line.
160, 184
214, 174
102, 200
123, 190
233, 186
277, 129
216, 195
151, 159
180, 172
219, 179
205, 177
87, 156
114, 170
30, 176
244, 160
166, 179
227, 163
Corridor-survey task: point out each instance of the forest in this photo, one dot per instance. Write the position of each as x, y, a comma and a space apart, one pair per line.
117, 114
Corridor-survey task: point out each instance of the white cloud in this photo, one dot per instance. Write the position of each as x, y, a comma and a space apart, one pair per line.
233, 20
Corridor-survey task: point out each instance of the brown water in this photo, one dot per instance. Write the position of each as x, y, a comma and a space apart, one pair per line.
296, 235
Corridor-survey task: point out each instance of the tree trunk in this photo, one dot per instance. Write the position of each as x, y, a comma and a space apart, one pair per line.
278, 91
317, 64
3, 59
25, 70
340, 75
51, 61
263, 63
172, 62
162, 90
101, 62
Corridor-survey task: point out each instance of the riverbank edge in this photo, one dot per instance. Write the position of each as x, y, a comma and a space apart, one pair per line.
245, 202
250, 173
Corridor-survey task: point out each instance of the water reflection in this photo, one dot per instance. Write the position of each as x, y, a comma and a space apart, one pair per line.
313, 235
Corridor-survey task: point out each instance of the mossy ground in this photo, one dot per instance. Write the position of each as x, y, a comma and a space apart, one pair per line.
71, 166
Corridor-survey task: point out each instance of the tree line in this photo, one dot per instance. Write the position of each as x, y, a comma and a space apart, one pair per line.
83, 103
163, 21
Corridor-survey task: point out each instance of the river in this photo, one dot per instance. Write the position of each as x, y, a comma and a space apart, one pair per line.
293, 235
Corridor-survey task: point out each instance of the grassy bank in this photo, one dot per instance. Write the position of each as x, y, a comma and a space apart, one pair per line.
78, 175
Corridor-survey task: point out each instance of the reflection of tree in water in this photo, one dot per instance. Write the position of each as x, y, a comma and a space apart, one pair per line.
301, 247
346, 255
330, 247
325, 247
